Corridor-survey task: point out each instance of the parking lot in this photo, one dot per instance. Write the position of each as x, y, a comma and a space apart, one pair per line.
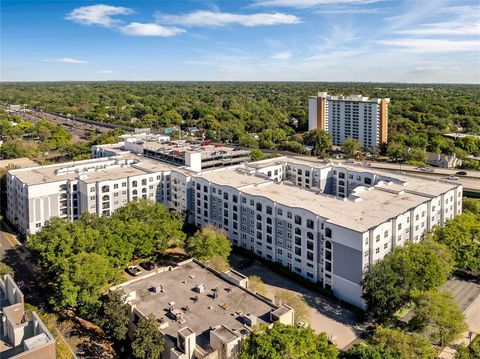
325, 315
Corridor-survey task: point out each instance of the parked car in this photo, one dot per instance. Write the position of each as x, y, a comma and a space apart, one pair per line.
452, 177
302, 324
244, 264
149, 265
461, 173
133, 270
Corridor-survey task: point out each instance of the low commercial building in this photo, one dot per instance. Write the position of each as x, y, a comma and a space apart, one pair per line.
201, 313
443, 160
21, 338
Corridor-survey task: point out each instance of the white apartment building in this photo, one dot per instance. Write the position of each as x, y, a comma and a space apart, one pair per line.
354, 116
327, 223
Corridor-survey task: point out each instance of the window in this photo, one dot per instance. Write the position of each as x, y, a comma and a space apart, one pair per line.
259, 207
385, 246
309, 223
115, 186
377, 250
328, 233
235, 198
328, 245
298, 220
279, 212
134, 183
385, 234
269, 210
399, 226
377, 239
289, 215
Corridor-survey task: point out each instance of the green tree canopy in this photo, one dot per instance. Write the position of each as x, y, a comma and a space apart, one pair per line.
350, 147
114, 318
437, 316
462, 236
207, 243
285, 341
320, 140
395, 341
257, 155
5, 269
366, 351
415, 266
148, 342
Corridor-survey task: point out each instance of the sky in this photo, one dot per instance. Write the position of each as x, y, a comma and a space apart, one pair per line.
428, 41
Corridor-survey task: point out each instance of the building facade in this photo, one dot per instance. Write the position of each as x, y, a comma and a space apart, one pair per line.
22, 338
355, 116
329, 223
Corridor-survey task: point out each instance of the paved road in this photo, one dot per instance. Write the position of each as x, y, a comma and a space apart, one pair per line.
325, 315
11, 253
464, 292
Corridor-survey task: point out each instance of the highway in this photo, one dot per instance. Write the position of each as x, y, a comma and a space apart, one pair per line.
80, 130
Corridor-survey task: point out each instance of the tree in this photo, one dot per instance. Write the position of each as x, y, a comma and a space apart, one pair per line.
5, 269
462, 236
416, 155
471, 205
365, 351
148, 342
257, 155
437, 315
470, 352
207, 243
114, 318
320, 140
80, 284
396, 150
286, 341
411, 346
300, 307
389, 284
219, 263
350, 147
256, 284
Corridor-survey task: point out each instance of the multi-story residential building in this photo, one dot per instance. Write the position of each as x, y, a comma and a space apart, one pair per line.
355, 116
326, 222
21, 337
201, 313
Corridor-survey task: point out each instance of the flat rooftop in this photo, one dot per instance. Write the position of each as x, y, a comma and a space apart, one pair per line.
373, 207
179, 148
232, 176
105, 170
179, 285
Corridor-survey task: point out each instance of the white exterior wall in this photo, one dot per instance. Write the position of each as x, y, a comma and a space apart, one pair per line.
312, 113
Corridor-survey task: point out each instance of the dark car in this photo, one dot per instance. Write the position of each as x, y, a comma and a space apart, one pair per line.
147, 265
461, 173
133, 270
244, 264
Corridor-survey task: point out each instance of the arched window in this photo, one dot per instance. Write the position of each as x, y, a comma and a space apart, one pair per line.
106, 198
105, 189
134, 183
134, 192
144, 182
298, 231
63, 196
144, 190
341, 183
309, 235
328, 245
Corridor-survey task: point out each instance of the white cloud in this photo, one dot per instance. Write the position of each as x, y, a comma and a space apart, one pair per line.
284, 55
348, 10
67, 60
149, 29
432, 45
462, 20
98, 14
216, 19
106, 72
304, 4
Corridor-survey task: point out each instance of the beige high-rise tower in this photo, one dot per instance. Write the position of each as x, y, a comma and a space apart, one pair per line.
354, 116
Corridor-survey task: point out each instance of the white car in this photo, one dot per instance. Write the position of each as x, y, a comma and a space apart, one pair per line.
452, 177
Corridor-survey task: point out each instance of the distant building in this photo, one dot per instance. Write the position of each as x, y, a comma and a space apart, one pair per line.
21, 337
202, 313
355, 116
455, 136
443, 160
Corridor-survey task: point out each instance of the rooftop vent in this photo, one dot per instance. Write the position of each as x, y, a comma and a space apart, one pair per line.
200, 288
